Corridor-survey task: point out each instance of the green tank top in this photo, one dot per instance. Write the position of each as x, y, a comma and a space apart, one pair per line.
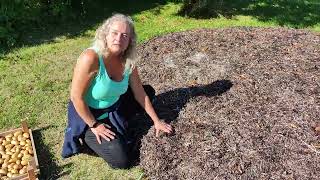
103, 92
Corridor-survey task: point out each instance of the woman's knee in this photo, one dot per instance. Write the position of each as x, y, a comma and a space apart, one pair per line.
122, 163
115, 154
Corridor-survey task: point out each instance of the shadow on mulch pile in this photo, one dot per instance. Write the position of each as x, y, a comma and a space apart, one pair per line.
255, 121
168, 109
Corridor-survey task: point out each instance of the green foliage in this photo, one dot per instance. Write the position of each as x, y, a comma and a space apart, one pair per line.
201, 8
17, 16
14, 14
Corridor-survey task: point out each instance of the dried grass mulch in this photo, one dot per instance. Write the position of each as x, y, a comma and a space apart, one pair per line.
244, 102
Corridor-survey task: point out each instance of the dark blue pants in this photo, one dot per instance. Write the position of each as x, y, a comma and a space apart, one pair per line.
117, 151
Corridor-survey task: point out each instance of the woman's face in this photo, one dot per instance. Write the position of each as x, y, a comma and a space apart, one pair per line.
118, 37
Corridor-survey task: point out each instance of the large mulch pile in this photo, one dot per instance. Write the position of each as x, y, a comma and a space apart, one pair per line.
244, 102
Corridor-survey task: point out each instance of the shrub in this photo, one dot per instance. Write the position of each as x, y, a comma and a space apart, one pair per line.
14, 16
17, 16
201, 8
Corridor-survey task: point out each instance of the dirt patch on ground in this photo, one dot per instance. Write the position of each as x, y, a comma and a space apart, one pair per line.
245, 103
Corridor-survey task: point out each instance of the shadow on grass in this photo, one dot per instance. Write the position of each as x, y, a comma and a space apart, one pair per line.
168, 106
294, 13
91, 17
48, 167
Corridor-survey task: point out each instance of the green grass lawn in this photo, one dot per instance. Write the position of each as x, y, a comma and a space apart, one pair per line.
35, 83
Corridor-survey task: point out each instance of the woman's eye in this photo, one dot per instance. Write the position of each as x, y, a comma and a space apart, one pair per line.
125, 35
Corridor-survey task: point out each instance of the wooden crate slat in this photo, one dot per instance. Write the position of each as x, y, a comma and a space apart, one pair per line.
23, 176
34, 149
3, 134
24, 126
31, 173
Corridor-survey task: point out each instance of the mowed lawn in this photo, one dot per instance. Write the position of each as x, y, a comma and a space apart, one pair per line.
35, 84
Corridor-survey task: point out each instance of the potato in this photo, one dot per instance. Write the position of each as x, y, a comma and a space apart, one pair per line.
26, 157
14, 171
5, 142
9, 146
25, 153
10, 166
30, 151
23, 170
2, 147
16, 166
9, 135
9, 153
6, 156
23, 139
8, 138
17, 133
13, 160
23, 143
28, 148
4, 171
5, 178
13, 150
9, 174
14, 142
17, 147
23, 162
6, 161
20, 137
4, 165
14, 156
14, 138
26, 135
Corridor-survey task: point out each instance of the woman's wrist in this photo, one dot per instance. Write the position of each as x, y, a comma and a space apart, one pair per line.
94, 125
156, 120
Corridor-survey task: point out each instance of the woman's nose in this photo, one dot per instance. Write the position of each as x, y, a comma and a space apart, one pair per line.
118, 37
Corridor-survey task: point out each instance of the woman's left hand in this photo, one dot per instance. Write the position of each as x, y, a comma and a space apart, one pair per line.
162, 126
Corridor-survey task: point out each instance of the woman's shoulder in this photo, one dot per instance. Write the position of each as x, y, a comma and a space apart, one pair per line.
88, 59
89, 56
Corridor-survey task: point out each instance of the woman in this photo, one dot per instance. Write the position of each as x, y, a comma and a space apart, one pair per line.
102, 74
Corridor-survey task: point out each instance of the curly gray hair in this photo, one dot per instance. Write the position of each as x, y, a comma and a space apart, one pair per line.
100, 41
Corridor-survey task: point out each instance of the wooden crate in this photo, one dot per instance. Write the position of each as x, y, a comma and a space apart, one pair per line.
33, 166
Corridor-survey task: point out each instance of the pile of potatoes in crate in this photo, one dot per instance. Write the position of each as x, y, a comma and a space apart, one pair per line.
15, 152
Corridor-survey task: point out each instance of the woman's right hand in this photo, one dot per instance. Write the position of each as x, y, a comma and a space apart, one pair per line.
103, 130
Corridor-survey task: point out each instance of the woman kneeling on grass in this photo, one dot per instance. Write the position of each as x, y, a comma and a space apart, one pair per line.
106, 90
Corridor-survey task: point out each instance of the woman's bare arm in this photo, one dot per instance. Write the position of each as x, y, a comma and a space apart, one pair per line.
142, 98
86, 68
